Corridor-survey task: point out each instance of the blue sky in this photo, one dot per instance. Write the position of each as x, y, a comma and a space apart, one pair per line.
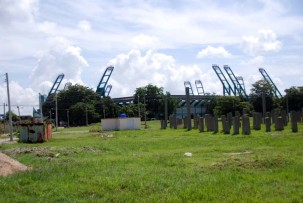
160, 42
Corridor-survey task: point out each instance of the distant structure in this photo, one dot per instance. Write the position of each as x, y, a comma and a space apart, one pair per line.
42, 98
241, 82
56, 84
277, 93
102, 89
188, 84
108, 89
227, 89
239, 88
199, 87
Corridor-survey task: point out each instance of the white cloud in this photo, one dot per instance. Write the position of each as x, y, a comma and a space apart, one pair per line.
12, 11
61, 58
84, 25
210, 51
25, 98
143, 41
136, 69
257, 61
265, 41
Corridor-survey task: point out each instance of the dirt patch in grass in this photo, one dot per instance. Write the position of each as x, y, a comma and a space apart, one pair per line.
240, 164
10, 166
48, 151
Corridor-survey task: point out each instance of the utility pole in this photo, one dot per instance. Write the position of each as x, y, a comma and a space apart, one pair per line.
41, 97
145, 113
263, 104
139, 107
4, 111
86, 115
56, 111
18, 111
4, 118
9, 110
67, 118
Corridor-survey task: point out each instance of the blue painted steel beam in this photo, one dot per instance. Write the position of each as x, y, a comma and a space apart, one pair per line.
188, 84
269, 80
199, 87
103, 82
56, 84
227, 89
237, 86
241, 82
108, 89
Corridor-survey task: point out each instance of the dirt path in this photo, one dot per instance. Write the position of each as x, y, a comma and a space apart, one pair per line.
10, 166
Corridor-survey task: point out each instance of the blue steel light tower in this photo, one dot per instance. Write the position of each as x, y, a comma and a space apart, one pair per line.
188, 84
269, 80
227, 89
56, 84
237, 86
102, 88
199, 87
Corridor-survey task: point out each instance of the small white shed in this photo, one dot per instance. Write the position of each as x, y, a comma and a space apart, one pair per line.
121, 124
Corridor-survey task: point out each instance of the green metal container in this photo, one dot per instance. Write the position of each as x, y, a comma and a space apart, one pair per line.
23, 133
32, 132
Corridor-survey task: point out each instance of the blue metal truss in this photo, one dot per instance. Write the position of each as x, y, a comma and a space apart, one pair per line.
107, 90
241, 82
237, 86
101, 88
188, 84
56, 84
227, 89
269, 80
199, 87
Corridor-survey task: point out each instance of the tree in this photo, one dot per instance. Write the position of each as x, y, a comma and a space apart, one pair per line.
153, 97
226, 104
76, 99
154, 100
260, 87
15, 118
293, 98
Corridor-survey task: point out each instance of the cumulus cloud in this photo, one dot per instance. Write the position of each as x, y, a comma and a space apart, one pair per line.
25, 98
211, 51
265, 41
258, 60
84, 25
17, 11
61, 58
136, 69
143, 41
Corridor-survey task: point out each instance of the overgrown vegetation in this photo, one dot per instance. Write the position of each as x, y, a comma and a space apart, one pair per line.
149, 166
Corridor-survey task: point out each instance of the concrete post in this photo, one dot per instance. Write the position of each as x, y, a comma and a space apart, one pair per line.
267, 124
215, 124
294, 126
279, 124
188, 109
236, 125
201, 124
245, 125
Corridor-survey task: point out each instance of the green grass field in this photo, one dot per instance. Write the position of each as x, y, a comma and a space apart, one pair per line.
149, 165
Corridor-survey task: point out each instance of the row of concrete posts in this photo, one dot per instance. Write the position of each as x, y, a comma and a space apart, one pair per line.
209, 123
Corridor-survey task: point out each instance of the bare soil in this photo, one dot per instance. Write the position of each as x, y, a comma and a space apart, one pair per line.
10, 166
